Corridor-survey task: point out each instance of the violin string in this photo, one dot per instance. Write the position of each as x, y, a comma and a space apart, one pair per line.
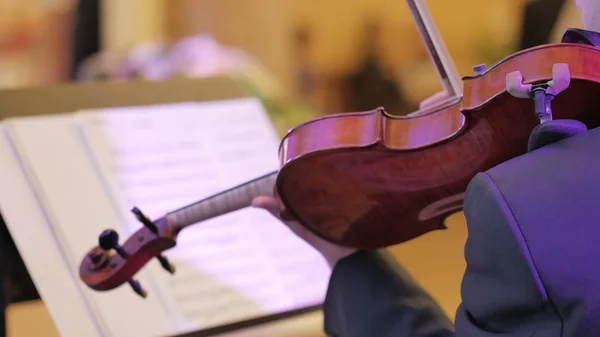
222, 203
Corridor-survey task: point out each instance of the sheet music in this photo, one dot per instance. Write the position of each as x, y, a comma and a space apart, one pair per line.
76, 210
238, 266
33, 236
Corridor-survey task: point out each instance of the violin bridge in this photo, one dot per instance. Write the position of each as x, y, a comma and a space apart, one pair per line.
543, 93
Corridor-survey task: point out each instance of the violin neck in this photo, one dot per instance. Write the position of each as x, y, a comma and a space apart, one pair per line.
437, 49
225, 202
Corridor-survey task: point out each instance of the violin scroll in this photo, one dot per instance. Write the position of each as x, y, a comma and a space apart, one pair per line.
541, 93
110, 264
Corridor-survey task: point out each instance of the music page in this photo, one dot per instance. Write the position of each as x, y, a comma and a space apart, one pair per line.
231, 268
55, 207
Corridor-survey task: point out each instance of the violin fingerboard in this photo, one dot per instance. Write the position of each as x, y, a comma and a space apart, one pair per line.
225, 202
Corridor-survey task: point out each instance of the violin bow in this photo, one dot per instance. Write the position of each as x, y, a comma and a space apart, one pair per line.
110, 264
445, 67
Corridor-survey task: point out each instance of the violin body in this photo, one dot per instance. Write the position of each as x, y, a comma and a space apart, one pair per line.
370, 180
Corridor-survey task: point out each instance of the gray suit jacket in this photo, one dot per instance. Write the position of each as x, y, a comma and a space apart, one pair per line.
533, 258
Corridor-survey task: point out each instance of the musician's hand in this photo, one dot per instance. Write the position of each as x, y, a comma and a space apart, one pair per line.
433, 99
330, 251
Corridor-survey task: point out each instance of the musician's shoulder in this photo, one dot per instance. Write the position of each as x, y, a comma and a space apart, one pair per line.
581, 36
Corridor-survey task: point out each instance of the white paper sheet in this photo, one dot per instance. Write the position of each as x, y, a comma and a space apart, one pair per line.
238, 266
42, 253
78, 208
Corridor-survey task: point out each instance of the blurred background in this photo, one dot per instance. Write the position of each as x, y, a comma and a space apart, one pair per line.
327, 55
303, 58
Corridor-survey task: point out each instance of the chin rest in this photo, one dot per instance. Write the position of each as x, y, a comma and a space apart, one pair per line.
554, 131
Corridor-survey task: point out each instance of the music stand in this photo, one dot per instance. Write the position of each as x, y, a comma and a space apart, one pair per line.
71, 97
3, 302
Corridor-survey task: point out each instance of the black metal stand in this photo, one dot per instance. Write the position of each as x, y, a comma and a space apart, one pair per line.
3, 275
15, 282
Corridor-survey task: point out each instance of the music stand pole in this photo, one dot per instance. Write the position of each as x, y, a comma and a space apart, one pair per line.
3, 275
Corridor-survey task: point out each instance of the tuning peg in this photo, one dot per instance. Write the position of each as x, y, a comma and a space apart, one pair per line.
109, 239
144, 220
166, 264
135, 285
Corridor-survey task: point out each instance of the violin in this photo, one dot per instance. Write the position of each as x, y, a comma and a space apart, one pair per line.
369, 179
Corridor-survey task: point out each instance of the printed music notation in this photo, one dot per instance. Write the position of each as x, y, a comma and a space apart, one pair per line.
62, 206
237, 266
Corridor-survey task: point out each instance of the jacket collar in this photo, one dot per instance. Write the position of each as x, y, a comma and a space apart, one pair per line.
575, 35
